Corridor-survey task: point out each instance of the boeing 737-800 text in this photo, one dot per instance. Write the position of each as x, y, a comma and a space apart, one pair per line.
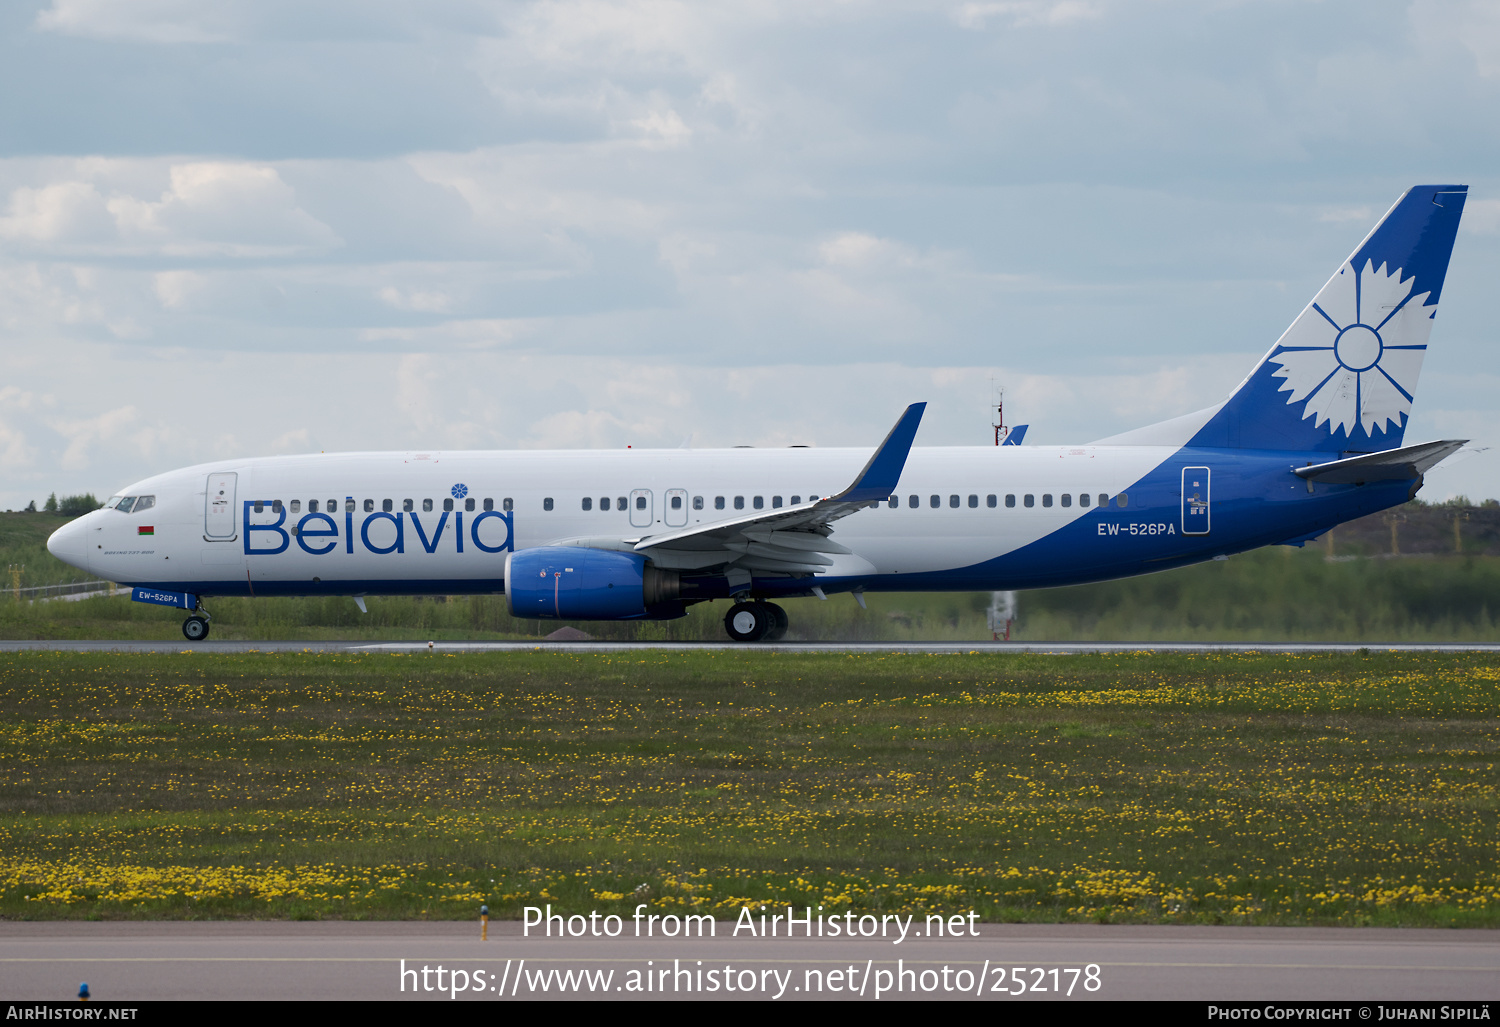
1312, 437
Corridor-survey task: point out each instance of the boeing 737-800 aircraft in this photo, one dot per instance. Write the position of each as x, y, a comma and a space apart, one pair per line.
1312, 437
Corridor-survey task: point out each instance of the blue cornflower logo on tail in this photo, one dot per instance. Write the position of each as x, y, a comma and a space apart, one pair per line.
1355, 353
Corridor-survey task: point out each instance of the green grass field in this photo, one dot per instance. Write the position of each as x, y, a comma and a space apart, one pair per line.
1139, 788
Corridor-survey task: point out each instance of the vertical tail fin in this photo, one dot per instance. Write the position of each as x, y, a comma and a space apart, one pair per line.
1342, 377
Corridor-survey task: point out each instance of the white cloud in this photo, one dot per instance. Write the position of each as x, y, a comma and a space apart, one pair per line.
1347, 215
417, 300
663, 128
176, 288
1481, 216
15, 454
146, 21
1028, 13
209, 209
85, 434
61, 211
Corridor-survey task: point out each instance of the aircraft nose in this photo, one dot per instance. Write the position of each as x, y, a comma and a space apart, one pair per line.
70, 544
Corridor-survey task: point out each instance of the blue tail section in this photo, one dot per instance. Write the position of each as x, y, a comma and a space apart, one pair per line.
1342, 377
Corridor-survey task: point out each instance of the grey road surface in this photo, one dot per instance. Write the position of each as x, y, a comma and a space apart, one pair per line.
277, 960
216, 646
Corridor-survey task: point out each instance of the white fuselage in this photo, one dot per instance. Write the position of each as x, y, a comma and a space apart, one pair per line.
539, 497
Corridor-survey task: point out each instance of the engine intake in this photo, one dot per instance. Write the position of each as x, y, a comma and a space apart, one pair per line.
574, 583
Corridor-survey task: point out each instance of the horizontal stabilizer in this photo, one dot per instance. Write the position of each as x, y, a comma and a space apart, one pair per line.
1392, 465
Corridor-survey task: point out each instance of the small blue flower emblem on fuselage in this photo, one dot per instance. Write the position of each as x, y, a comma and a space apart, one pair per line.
459, 491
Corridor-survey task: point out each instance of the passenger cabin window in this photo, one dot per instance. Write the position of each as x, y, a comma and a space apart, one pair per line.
676, 502
510, 504
1030, 500
989, 501
893, 502
640, 502
1122, 500
739, 502
588, 503
775, 502
447, 505
796, 500
407, 506
604, 502
348, 505
469, 504
369, 506
913, 501
760, 502
1083, 499
1046, 499
547, 503
260, 507
1103, 499
427, 506
973, 502
935, 502
489, 504
1010, 500
953, 502
718, 502
275, 506
1067, 500
387, 505
312, 506
697, 502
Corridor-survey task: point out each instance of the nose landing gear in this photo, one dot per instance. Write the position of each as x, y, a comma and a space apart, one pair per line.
756, 622
195, 628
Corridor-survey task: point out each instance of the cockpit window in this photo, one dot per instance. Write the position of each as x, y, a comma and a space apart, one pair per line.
125, 504
109, 504
144, 503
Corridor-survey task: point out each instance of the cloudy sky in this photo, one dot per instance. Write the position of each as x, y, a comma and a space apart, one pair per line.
239, 228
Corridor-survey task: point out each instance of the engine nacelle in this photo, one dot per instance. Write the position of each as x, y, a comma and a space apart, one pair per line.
577, 583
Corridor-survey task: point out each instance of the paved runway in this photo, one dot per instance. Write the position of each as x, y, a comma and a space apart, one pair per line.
218, 646
337, 960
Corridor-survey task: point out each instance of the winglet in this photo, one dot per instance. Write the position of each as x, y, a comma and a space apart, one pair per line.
880, 476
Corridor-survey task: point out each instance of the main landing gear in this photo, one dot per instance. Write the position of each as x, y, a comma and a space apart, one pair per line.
195, 628
756, 622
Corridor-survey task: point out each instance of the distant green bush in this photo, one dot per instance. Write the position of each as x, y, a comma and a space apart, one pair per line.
77, 506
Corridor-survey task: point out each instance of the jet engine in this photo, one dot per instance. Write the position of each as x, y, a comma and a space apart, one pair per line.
574, 583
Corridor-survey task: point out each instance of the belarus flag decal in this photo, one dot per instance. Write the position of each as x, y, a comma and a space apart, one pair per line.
146, 529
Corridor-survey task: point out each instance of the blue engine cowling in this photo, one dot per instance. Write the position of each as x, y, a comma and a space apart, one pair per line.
575, 583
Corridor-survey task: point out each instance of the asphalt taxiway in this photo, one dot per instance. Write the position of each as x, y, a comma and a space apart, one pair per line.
219, 961
1057, 648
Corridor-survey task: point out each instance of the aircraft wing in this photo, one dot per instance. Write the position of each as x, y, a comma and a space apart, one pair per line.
793, 539
1393, 464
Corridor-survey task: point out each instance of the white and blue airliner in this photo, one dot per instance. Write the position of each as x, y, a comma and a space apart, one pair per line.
1314, 436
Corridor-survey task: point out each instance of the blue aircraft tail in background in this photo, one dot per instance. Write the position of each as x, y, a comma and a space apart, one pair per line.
1342, 377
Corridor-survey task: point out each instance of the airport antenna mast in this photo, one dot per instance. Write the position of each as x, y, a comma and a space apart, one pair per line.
997, 400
